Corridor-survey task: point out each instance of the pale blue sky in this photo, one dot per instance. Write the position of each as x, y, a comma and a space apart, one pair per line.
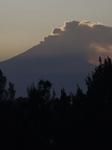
25, 23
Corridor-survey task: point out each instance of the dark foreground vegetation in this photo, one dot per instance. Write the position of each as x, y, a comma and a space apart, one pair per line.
43, 121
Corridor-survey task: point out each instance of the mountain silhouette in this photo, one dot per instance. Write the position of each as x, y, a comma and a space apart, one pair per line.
44, 62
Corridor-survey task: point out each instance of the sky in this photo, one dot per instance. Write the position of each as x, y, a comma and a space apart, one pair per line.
25, 23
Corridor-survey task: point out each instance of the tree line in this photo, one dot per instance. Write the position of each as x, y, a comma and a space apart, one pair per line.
44, 121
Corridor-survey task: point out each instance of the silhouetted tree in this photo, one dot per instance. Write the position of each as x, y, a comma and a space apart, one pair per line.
41, 92
44, 89
3, 92
63, 95
99, 102
6, 94
53, 95
79, 98
38, 97
99, 84
11, 92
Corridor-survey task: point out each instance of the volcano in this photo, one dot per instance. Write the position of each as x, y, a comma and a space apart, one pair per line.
61, 69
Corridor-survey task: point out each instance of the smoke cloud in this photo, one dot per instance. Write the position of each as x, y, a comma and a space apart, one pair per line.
84, 39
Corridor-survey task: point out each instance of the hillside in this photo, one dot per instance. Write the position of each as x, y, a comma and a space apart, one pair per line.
62, 70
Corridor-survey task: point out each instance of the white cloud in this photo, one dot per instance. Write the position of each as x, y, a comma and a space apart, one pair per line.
56, 31
85, 39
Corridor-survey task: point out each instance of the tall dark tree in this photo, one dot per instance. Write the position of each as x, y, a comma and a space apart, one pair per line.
6, 94
11, 92
3, 92
79, 98
63, 95
99, 84
44, 89
40, 95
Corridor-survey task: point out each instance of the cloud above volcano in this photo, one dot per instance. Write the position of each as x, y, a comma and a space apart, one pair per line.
84, 39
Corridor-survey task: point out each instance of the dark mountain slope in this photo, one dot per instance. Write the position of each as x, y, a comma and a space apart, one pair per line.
61, 69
